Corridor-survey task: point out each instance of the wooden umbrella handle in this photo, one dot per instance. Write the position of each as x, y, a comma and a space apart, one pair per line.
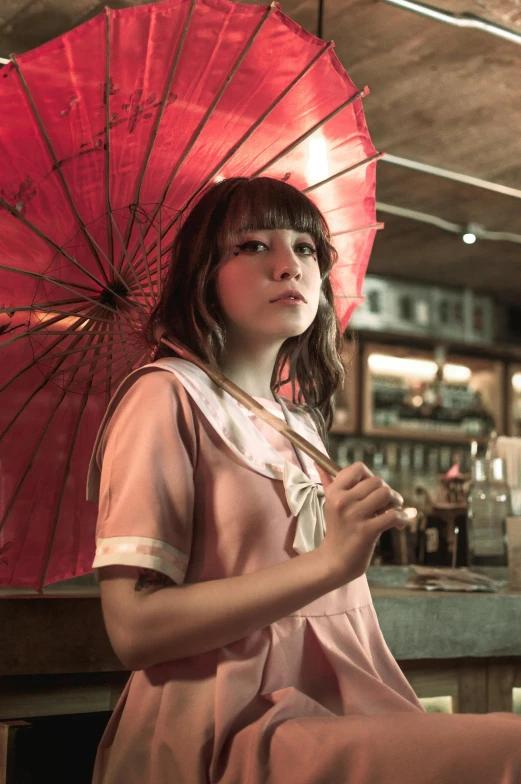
239, 394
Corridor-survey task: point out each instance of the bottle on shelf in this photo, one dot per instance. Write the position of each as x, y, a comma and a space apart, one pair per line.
488, 508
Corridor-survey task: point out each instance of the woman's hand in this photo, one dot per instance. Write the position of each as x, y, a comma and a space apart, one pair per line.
358, 508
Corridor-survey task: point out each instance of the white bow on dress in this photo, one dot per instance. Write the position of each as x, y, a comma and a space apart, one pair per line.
306, 501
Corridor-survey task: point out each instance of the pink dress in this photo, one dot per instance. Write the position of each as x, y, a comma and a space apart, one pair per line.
191, 484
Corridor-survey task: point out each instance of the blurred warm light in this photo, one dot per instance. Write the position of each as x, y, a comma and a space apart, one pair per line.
516, 382
65, 322
423, 369
411, 512
469, 238
456, 374
417, 400
317, 166
420, 369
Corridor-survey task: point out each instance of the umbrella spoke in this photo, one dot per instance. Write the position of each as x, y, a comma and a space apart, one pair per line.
64, 479
108, 205
351, 168
55, 281
158, 258
47, 305
66, 472
109, 353
147, 267
37, 308
304, 136
377, 226
42, 326
244, 138
189, 147
111, 265
82, 350
155, 130
131, 268
130, 357
34, 361
97, 303
129, 364
59, 249
57, 166
35, 392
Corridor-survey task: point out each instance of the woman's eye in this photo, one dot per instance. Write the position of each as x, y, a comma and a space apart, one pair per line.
306, 249
251, 245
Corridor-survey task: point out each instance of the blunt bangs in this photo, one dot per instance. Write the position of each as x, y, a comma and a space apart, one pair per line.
265, 203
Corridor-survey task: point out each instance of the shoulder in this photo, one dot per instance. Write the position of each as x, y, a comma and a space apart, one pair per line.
149, 400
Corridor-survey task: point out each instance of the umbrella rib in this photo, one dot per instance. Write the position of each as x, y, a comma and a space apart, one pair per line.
35, 392
43, 236
304, 136
125, 254
129, 364
147, 266
35, 360
68, 288
65, 477
71, 351
351, 168
231, 152
158, 264
48, 304
43, 307
135, 353
108, 205
155, 130
42, 326
52, 280
57, 166
62, 488
109, 352
189, 147
111, 265
360, 228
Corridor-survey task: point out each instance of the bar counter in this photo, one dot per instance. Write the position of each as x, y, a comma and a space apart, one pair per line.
465, 647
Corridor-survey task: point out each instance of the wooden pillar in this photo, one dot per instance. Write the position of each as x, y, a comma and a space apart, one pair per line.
12, 764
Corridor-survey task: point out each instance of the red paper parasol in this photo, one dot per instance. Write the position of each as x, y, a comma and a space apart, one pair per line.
109, 131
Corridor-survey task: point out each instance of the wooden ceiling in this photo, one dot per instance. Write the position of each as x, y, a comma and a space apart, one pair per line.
441, 95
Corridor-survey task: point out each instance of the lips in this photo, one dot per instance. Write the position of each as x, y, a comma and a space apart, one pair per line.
290, 294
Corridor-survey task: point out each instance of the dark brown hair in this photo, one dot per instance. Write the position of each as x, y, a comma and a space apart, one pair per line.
189, 307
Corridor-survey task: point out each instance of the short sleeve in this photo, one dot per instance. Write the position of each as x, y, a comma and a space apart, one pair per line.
146, 455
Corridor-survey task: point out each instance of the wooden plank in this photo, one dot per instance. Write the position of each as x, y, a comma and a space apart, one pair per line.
10, 769
472, 687
500, 684
52, 695
70, 635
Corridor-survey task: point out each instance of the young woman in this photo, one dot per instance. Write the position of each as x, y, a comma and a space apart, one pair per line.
232, 571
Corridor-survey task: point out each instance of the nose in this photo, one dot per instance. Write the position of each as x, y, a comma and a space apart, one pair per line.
287, 265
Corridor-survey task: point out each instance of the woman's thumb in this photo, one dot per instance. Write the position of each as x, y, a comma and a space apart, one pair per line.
325, 478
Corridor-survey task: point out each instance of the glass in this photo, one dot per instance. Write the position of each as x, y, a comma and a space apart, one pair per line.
488, 508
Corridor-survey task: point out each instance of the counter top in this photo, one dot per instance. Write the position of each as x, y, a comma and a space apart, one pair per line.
420, 624
416, 624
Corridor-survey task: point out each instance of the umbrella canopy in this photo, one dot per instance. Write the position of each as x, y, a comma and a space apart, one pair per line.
113, 129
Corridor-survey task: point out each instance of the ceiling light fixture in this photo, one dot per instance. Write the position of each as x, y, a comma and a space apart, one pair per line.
464, 19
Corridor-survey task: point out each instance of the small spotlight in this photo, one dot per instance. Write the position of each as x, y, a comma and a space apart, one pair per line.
469, 238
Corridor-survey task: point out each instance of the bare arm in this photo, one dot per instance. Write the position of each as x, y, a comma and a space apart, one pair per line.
151, 620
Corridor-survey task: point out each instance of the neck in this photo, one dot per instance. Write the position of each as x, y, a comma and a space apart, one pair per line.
251, 370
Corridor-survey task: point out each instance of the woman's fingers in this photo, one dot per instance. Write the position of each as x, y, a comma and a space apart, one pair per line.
374, 483
351, 476
391, 518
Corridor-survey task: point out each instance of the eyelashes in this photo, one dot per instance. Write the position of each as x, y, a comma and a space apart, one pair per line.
251, 245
